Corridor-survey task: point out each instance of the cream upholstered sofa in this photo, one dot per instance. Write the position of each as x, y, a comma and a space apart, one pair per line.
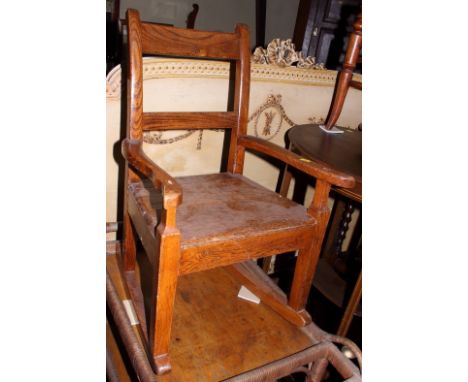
279, 99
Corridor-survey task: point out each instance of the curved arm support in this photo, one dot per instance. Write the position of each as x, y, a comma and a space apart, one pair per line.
316, 170
172, 192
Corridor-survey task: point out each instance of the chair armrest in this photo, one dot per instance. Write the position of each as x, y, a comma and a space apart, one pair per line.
172, 192
314, 169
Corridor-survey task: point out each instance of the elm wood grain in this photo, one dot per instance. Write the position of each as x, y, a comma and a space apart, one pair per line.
134, 130
128, 242
241, 101
146, 38
209, 256
133, 152
213, 199
234, 206
181, 42
134, 82
253, 277
140, 222
346, 74
188, 120
241, 220
307, 258
218, 336
225, 218
234, 335
164, 288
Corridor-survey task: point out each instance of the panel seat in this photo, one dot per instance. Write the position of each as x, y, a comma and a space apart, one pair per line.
209, 221
223, 210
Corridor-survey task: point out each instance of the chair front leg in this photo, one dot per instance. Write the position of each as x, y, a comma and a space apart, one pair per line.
167, 263
308, 257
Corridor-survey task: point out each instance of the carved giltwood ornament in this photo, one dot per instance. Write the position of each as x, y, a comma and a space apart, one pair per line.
283, 53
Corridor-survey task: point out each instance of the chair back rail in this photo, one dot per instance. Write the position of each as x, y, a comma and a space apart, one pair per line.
147, 38
189, 120
170, 41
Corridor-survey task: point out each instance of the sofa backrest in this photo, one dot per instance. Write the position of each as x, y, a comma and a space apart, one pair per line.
279, 99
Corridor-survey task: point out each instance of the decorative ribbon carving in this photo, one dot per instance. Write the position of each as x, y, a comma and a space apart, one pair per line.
268, 118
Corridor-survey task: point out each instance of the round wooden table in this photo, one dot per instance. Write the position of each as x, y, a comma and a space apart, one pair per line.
341, 152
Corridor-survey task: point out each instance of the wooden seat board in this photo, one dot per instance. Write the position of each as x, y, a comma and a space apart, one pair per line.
228, 205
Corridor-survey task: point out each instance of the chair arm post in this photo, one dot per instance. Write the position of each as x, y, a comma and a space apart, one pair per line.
319, 204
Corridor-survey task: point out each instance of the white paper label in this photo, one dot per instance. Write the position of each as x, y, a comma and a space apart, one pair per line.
130, 312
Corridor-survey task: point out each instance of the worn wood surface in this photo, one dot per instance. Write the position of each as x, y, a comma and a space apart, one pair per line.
133, 152
208, 221
217, 335
181, 42
241, 101
340, 152
241, 220
331, 175
166, 273
189, 120
253, 277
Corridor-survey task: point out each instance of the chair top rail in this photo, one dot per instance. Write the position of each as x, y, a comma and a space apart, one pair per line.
178, 42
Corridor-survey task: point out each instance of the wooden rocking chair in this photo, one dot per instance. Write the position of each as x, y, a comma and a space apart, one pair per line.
197, 223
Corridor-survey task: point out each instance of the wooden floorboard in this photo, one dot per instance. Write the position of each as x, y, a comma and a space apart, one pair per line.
216, 335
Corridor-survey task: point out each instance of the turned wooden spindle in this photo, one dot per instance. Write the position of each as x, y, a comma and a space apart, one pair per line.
346, 74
